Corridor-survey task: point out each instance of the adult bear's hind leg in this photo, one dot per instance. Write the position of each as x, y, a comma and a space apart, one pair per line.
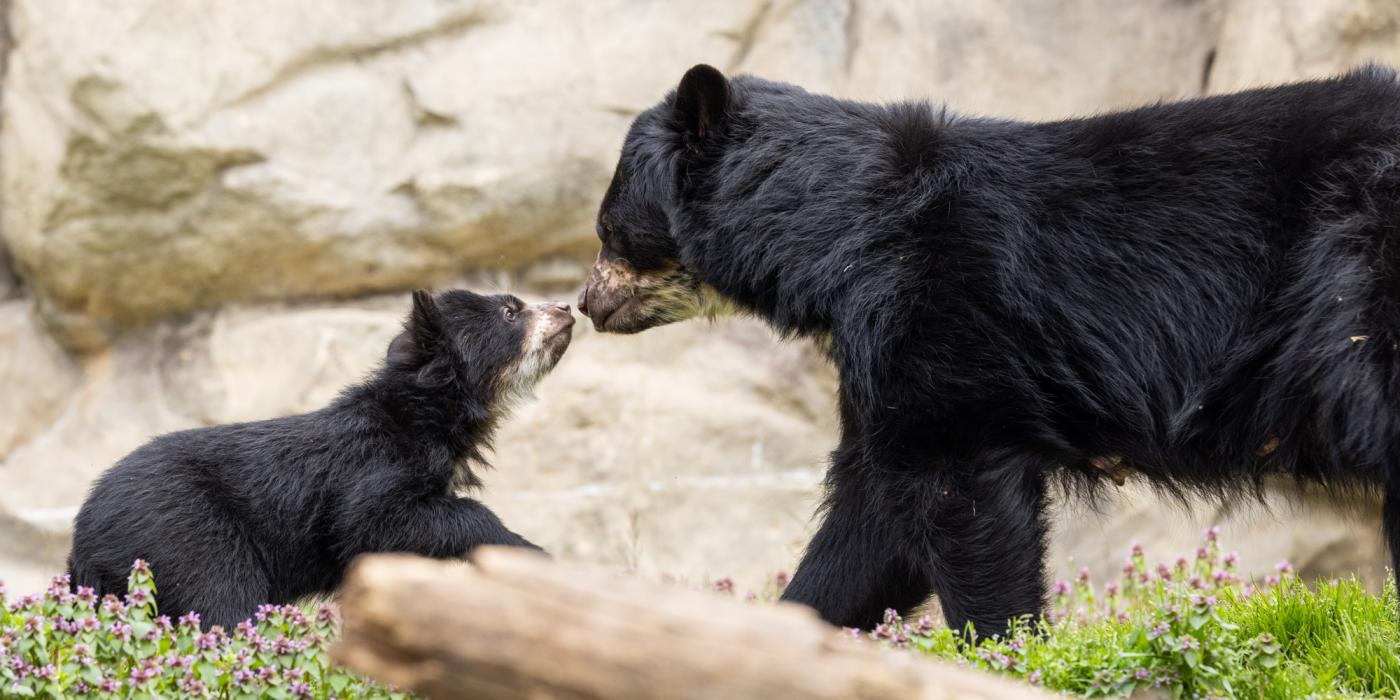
1390, 519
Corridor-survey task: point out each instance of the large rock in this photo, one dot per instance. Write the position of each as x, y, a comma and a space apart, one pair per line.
1267, 42
9, 286
161, 157
37, 376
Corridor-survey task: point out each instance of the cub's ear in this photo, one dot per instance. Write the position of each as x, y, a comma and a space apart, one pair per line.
702, 100
422, 332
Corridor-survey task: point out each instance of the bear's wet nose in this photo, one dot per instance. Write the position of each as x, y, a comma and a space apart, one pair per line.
583, 301
560, 311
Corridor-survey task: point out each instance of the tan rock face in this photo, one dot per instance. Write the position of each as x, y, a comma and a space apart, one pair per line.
161, 157
37, 376
1268, 42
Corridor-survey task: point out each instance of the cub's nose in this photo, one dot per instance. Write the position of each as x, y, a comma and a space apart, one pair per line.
561, 310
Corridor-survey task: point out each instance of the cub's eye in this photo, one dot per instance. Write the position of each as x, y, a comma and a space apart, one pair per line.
509, 313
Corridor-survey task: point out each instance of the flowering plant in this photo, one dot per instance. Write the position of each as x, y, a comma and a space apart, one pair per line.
68, 643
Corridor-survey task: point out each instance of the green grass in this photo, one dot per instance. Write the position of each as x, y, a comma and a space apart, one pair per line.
1192, 630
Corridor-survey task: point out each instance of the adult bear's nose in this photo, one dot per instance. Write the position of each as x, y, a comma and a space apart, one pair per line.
583, 299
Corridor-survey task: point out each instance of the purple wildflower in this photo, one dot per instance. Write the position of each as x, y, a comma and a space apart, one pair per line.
59, 586
326, 614
142, 675
925, 625
193, 686
112, 606
283, 645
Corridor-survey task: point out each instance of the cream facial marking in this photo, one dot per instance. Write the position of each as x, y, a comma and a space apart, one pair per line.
546, 339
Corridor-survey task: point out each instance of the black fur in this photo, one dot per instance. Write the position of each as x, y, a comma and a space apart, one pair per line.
1175, 285
233, 516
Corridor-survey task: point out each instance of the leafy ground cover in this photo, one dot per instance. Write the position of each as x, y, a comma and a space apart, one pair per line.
68, 643
1191, 628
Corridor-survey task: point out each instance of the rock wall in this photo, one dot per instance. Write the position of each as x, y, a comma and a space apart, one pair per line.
213, 211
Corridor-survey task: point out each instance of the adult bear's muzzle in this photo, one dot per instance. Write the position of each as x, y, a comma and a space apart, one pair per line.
621, 299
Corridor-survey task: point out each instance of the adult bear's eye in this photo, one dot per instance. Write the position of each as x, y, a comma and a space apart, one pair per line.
509, 313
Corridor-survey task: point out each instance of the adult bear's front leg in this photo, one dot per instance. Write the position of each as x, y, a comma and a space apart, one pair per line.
892, 536
987, 535
863, 559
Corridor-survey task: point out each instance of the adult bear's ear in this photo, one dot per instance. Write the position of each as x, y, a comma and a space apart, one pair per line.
422, 333
702, 100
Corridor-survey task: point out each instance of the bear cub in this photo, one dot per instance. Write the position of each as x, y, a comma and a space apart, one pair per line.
233, 516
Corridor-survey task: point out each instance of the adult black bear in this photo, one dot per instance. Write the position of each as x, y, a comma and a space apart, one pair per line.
1206, 291
233, 516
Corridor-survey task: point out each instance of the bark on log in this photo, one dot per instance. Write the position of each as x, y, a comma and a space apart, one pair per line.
520, 626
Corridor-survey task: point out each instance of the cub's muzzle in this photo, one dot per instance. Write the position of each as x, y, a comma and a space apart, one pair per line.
553, 328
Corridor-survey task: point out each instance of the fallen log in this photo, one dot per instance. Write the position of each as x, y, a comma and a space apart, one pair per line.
520, 626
